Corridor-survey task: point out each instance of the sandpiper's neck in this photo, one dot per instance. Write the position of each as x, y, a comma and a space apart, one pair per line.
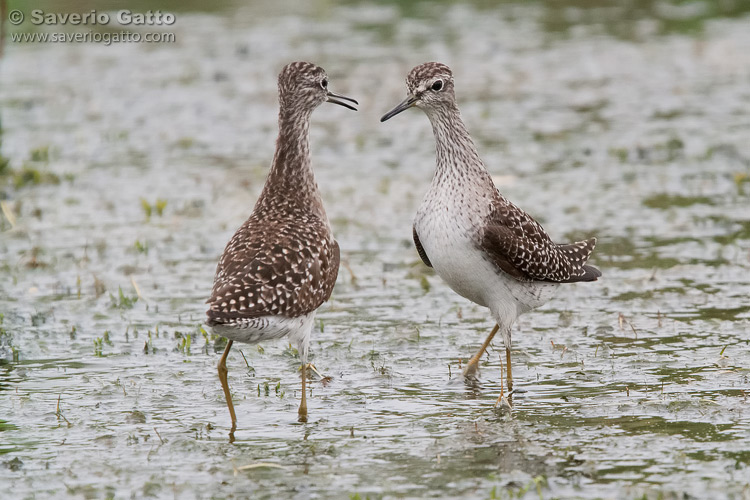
457, 157
291, 178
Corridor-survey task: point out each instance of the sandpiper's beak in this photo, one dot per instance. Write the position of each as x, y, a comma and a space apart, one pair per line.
339, 99
405, 104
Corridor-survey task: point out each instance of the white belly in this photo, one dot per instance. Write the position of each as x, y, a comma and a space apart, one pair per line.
461, 267
460, 263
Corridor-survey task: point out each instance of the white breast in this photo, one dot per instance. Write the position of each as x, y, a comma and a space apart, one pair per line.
448, 234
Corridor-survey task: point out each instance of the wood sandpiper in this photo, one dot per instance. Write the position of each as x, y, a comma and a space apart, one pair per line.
484, 247
282, 263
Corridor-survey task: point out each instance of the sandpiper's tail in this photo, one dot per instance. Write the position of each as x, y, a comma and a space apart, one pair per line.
579, 253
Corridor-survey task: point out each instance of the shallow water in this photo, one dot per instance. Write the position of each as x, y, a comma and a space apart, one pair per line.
630, 126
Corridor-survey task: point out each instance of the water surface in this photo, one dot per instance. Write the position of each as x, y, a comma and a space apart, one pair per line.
628, 125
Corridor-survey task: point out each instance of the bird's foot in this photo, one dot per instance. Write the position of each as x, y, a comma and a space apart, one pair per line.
471, 373
323, 378
504, 403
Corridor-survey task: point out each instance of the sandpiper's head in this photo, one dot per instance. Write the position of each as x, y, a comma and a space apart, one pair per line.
430, 87
305, 85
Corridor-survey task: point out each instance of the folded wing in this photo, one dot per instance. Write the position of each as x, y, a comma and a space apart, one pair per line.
520, 247
274, 273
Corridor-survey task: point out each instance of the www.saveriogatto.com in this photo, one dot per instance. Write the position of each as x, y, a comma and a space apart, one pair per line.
118, 24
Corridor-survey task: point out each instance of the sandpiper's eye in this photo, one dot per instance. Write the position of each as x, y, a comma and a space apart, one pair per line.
324, 83
437, 85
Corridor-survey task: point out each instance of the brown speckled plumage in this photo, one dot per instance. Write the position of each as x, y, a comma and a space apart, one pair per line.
521, 248
283, 261
509, 237
275, 265
486, 248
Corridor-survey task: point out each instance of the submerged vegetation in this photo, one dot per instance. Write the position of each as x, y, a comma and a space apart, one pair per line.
30, 173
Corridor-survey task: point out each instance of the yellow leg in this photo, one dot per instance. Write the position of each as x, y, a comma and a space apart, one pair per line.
502, 392
502, 400
471, 367
225, 385
303, 404
510, 373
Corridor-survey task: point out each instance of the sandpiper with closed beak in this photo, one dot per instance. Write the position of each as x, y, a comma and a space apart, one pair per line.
484, 247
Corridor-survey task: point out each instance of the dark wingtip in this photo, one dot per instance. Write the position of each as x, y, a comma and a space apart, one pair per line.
591, 273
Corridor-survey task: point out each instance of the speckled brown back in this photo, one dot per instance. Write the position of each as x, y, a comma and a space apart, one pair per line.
283, 261
274, 266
